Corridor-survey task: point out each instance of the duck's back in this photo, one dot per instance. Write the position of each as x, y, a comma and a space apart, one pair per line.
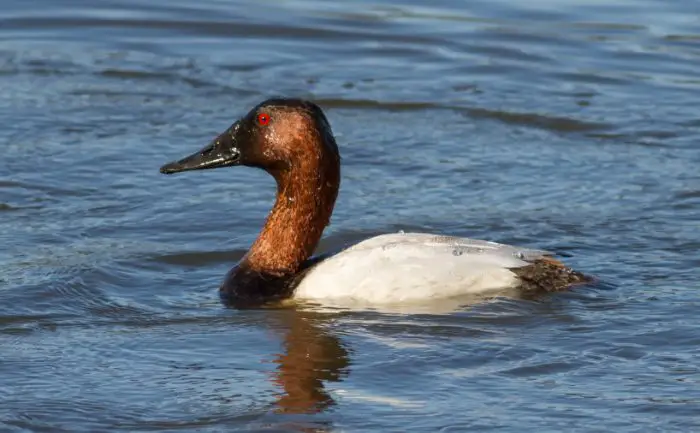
404, 267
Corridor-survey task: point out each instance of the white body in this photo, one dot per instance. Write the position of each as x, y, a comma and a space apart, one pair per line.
413, 267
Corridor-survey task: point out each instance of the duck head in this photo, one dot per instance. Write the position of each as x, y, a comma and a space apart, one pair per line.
277, 135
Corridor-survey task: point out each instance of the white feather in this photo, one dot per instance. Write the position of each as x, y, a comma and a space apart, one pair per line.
409, 267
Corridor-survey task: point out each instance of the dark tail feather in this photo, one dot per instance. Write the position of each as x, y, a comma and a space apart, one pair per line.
549, 275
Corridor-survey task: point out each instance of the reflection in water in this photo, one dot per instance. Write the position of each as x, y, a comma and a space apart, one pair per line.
311, 356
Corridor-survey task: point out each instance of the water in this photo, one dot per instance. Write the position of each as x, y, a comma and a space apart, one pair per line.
564, 125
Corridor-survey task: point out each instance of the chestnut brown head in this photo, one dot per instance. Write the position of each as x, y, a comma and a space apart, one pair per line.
277, 135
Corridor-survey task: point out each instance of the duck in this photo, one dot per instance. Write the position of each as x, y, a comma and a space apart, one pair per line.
292, 140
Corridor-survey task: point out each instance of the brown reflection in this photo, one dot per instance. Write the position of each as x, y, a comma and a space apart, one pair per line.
312, 355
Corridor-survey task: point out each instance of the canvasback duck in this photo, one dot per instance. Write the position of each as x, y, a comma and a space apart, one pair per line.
292, 140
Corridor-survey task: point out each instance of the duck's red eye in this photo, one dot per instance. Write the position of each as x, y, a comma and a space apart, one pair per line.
263, 119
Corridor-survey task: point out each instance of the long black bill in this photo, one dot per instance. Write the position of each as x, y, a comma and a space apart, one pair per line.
222, 152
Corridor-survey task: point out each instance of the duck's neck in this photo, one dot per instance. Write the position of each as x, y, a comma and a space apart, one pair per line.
305, 200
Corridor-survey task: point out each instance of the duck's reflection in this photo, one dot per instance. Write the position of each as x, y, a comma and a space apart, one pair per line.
312, 355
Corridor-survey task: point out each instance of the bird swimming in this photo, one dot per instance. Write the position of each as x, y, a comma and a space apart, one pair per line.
292, 140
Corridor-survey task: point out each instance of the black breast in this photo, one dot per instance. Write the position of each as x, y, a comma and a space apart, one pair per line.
248, 288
